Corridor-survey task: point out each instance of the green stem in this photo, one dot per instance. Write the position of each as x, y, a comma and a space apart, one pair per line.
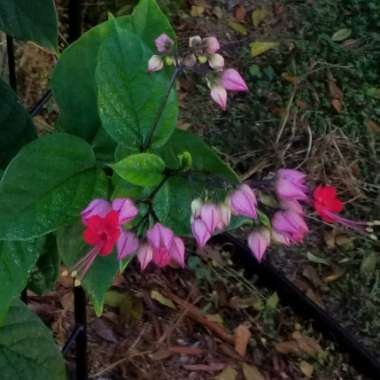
152, 130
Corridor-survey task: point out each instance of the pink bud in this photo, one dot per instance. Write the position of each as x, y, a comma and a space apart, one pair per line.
210, 216
243, 202
280, 238
216, 61
219, 96
155, 63
200, 232
290, 185
177, 251
232, 81
292, 205
212, 44
258, 242
163, 43
145, 255
225, 216
290, 224
98, 207
125, 208
160, 237
126, 244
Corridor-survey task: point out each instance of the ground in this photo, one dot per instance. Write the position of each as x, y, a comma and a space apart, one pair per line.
314, 105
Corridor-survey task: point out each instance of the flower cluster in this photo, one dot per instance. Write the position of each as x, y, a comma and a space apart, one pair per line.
203, 52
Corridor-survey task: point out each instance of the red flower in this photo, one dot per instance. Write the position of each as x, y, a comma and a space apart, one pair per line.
326, 202
103, 232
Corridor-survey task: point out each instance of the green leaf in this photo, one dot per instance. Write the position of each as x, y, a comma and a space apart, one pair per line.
16, 127
127, 110
341, 35
78, 103
47, 185
142, 169
17, 258
27, 348
209, 177
99, 278
30, 20
46, 271
204, 158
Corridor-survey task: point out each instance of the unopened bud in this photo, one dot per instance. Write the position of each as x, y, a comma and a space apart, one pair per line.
190, 60
155, 63
65, 273
169, 61
74, 273
77, 283
195, 41
202, 59
216, 61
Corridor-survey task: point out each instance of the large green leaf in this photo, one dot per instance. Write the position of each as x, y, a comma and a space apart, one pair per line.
99, 278
45, 272
209, 178
34, 20
74, 76
204, 158
47, 185
142, 169
17, 258
129, 98
27, 348
16, 127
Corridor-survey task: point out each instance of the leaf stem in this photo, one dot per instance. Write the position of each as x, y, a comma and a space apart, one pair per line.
161, 108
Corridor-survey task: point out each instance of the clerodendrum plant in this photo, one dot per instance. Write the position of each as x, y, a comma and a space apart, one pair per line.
117, 180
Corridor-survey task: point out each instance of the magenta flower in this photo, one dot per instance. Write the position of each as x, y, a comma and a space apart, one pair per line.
163, 43
243, 202
162, 248
200, 232
293, 205
258, 242
290, 185
289, 226
232, 81
210, 216
103, 221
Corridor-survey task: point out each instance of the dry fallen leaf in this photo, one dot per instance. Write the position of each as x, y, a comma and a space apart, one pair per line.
258, 48
373, 127
337, 104
197, 10
259, 15
307, 369
307, 344
252, 373
288, 347
237, 27
228, 373
242, 337
157, 296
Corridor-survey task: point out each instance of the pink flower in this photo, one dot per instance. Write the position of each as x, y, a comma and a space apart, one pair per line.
144, 255
210, 216
219, 96
258, 242
243, 202
165, 247
232, 81
290, 225
212, 44
290, 185
103, 222
126, 244
155, 63
293, 205
163, 43
200, 232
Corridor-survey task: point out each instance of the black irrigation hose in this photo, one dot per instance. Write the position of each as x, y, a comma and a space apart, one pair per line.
362, 360
80, 304
36, 109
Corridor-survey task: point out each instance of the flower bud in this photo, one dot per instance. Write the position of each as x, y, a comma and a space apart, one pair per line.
258, 242
243, 202
212, 44
195, 41
190, 60
196, 206
225, 215
233, 81
219, 96
155, 63
163, 43
202, 59
200, 232
216, 61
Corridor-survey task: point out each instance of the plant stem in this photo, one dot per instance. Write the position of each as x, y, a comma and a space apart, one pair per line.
161, 108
